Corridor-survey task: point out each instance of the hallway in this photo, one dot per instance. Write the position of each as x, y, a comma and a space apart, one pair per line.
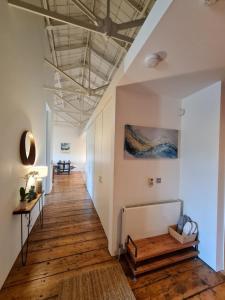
73, 240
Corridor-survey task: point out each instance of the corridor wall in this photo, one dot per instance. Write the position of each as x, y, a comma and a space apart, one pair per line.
100, 163
138, 105
22, 108
202, 169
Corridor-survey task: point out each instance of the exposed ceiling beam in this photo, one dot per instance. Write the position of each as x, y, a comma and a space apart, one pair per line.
67, 102
87, 91
100, 55
88, 109
70, 90
60, 90
79, 65
50, 36
50, 14
59, 25
70, 47
133, 4
89, 101
101, 88
140, 15
51, 40
92, 92
85, 10
104, 29
131, 24
65, 75
68, 121
64, 90
81, 45
79, 122
70, 112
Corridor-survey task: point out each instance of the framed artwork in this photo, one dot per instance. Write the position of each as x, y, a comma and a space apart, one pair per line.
65, 147
150, 143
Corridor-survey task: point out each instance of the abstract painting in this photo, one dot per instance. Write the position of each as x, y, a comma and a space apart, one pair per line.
65, 147
150, 143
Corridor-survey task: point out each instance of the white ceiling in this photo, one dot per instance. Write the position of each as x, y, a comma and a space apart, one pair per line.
179, 87
193, 36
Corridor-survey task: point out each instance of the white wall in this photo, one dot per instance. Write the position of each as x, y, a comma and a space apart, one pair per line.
68, 134
49, 148
90, 161
22, 107
200, 169
100, 164
201, 154
137, 106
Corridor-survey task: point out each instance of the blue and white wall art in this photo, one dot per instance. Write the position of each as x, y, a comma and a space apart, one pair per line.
65, 147
150, 143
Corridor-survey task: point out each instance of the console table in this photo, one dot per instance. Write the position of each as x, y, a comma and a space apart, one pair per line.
25, 208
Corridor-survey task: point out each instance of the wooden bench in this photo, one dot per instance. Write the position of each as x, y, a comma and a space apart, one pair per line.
152, 253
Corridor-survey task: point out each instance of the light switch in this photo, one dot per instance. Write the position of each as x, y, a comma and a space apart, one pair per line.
158, 180
150, 182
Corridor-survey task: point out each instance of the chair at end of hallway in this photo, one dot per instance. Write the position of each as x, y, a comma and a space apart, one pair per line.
63, 167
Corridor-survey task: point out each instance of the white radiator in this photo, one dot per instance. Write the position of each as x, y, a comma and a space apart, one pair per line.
150, 219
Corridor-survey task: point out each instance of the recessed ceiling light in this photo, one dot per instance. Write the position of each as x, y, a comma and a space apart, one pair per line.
152, 60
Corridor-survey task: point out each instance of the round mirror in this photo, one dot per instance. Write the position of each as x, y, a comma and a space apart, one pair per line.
27, 148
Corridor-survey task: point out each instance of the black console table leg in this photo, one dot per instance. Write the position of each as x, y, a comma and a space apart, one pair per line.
42, 211
21, 234
24, 258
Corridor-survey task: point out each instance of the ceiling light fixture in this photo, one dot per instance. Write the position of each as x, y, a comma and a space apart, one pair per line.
152, 60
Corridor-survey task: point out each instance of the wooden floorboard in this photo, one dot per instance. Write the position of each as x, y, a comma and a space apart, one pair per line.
72, 240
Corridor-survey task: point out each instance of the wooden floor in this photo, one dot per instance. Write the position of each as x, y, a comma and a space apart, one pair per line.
73, 240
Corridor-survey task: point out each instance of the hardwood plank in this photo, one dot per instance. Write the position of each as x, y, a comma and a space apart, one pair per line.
80, 220
70, 200
47, 287
70, 218
65, 196
69, 207
66, 250
215, 293
173, 287
151, 277
66, 240
55, 266
219, 292
50, 214
60, 232
180, 286
206, 295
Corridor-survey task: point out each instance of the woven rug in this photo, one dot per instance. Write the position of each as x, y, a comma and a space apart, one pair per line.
108, 283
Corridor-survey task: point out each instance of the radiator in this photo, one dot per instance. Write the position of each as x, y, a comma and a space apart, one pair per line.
150, 219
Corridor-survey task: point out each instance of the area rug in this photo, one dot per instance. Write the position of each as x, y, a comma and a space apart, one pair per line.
108, 283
